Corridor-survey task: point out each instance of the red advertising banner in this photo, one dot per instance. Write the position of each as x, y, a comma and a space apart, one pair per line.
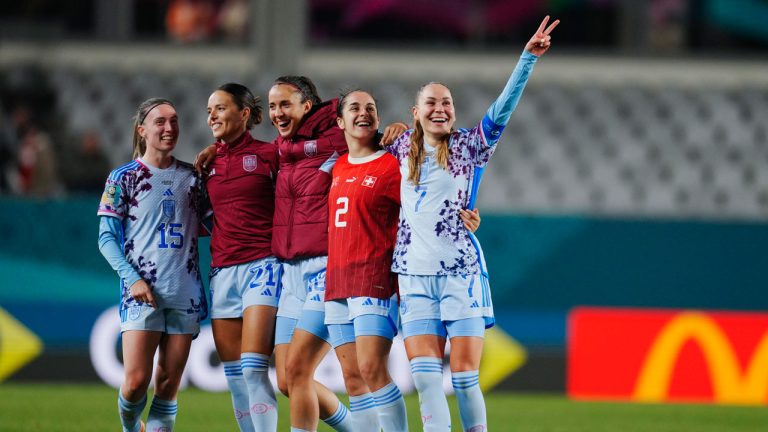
663, 355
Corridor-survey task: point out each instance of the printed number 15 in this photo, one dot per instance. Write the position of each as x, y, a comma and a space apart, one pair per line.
175, 237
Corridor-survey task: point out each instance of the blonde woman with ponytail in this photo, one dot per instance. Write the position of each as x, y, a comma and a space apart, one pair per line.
149, 217
442, 277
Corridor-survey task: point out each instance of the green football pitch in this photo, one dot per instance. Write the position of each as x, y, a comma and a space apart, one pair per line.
52, 408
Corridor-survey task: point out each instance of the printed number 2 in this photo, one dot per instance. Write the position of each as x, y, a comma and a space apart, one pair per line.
344, 201
176, 238
421, 188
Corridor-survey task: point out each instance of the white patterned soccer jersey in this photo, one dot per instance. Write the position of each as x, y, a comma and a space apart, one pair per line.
431, 238
160, 210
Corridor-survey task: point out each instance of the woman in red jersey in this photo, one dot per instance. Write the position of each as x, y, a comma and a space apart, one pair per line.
245, 276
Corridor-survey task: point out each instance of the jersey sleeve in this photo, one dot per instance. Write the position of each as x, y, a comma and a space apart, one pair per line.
399, 148
113, 199
109, 244
501, 109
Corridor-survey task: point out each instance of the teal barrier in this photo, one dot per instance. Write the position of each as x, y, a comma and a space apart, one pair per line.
540, 266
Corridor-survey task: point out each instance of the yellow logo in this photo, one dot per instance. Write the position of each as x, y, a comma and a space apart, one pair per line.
502, 356
18, 345
730, 384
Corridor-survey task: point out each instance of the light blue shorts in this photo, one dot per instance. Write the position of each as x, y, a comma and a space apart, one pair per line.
169, 321
303, 286
237, 287
465, 327
444, 298
284, 328
313, 321
367, 316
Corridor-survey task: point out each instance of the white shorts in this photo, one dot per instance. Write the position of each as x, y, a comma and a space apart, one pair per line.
169, 321
303, 286
237, 287
447, 298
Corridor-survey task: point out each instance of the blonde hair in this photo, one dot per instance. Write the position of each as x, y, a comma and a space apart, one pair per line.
139, 145
416, 149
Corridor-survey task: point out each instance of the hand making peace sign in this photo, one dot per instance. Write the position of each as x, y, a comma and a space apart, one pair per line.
540, 42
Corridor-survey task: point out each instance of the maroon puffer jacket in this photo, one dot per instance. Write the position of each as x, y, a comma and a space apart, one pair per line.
300, 228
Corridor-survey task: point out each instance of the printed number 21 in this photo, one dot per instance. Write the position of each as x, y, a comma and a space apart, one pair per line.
176, 238
344, 201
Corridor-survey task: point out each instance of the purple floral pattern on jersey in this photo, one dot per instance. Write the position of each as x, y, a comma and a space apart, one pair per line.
134, 183
468, 151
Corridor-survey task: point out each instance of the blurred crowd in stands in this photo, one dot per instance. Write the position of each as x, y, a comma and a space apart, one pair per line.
39, 156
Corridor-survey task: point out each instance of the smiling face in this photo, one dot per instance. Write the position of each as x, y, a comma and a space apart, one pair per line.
359, 119
434, 111
160, 129
286, 110
226, 120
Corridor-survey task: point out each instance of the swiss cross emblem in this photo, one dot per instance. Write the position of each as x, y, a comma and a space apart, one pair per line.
249, 163
369, 181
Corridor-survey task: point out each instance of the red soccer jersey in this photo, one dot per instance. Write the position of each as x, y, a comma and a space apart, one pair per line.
241, 187
364, 205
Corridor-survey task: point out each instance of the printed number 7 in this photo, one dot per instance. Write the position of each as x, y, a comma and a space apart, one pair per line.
423, 190
422, 178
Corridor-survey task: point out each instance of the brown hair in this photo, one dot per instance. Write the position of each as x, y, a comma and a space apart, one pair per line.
243, 98
416, 147
139, 145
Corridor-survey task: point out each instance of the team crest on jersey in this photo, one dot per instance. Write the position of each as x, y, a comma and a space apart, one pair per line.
249, 163
335, 181
369, 181
169, 208
310, 148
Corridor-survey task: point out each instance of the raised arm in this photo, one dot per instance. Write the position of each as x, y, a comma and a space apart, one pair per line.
498, 114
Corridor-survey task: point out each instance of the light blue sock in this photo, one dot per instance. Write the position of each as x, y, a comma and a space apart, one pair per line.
341, 420
391, 406
130, 412
239, 390
162, 415
428, 376
466, 385
365, 416
261, 395
293, 429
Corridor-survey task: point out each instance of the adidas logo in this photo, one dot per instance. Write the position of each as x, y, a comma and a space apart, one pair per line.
316, 298
368, 302
168, 192
474, 305
266, 292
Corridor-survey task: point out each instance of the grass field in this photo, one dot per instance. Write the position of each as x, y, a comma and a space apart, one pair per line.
52, 408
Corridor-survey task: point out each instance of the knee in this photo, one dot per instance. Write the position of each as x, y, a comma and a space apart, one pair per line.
282, 384
167, 384
297, 372
373, 371
354, 382
135, 385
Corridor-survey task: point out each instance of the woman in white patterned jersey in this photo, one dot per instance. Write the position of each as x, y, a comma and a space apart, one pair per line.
150, 214
443, 281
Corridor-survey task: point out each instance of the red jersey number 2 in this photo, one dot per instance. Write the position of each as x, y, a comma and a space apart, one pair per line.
343, 203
